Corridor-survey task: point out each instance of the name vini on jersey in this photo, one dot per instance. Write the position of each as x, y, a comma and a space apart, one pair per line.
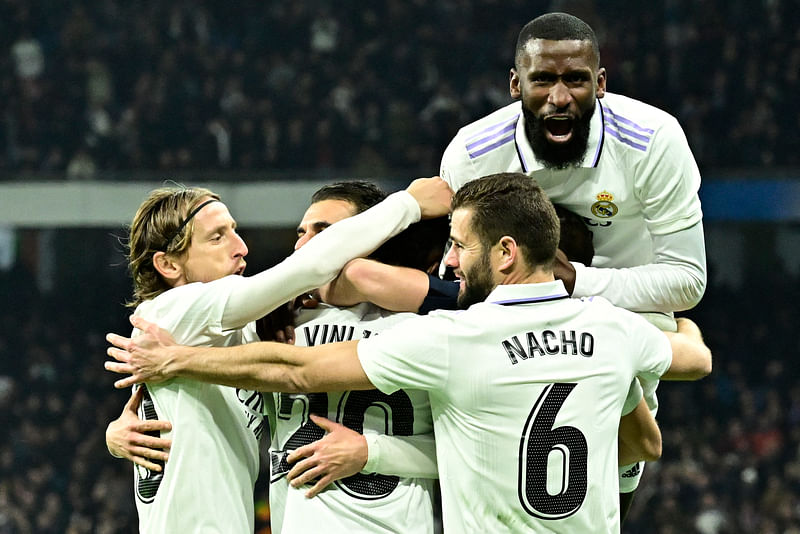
331, 333
549, 343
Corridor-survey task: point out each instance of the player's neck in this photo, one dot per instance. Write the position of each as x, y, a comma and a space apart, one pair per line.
538, 276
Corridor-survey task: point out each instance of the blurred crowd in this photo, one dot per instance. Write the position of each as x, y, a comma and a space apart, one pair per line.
731, 458
87, 88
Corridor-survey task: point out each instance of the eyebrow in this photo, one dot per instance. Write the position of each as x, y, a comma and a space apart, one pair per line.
220, 229
315, 225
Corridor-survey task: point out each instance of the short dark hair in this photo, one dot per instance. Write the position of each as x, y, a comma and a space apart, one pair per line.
512, 204
360, 193
419, 246
576, 239
556, 27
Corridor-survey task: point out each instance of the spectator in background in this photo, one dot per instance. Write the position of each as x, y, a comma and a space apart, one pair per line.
201, 63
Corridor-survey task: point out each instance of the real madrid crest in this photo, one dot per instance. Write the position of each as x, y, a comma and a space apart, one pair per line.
604, 208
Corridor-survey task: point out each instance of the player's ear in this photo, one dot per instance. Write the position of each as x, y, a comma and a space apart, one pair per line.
513, 84
167, 267
601, 82
506, 252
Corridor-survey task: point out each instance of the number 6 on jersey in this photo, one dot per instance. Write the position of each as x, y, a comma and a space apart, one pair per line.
560, 452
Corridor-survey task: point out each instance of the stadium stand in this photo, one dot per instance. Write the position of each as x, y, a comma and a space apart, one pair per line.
106, 89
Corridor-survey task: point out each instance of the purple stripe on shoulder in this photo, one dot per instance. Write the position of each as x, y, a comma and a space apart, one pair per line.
613, 133
492, 128
489, 148
491, 137
628, 122
630, 133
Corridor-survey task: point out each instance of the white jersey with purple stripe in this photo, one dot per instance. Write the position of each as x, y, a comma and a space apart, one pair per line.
638, 178
526, 391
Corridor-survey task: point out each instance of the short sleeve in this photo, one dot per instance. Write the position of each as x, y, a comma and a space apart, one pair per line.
411, 355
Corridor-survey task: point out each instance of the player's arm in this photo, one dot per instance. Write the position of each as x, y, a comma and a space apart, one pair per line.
666, 182
639, 436
405, 456
388, 286
266, 366
321, 259
343, 452
675, 281
126, 436
691, 358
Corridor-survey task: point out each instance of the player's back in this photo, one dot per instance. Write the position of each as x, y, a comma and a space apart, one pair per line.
363, 502
527, 397
537, 401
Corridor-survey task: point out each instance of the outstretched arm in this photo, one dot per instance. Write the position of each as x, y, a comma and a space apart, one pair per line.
321, 259
266, 366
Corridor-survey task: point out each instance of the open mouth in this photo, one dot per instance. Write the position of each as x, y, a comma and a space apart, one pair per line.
240, 270
559, 127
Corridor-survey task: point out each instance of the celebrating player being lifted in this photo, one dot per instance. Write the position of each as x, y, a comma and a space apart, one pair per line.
526, 445
623, 165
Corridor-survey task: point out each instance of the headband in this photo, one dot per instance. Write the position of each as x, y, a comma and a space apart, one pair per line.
186, 221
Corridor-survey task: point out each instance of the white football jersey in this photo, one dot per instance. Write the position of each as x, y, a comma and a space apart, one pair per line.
638, 178
207, 483
526, 390
373, 503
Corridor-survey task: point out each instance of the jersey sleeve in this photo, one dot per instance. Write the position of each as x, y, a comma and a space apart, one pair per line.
404, 456
675, 281
442, 295
192, 313
320, 260
635, 394
651, 348
667, 181
411, 355
456, 168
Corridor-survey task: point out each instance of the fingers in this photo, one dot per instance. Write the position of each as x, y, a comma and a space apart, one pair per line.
301, 467
119, 341
153, 426
309, 475
134, 401
143, 324
305, 451
290, 335
318, 487
121, 369
323, 423
122, 356
144, 462
147, 453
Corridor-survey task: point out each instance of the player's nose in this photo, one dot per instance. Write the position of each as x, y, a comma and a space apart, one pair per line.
240, 247
559, 96
451, 259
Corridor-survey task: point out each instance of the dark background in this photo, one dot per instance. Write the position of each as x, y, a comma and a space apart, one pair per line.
316, 90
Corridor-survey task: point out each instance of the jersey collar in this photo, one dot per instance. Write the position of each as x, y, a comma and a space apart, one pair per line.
508, 295
529, 162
